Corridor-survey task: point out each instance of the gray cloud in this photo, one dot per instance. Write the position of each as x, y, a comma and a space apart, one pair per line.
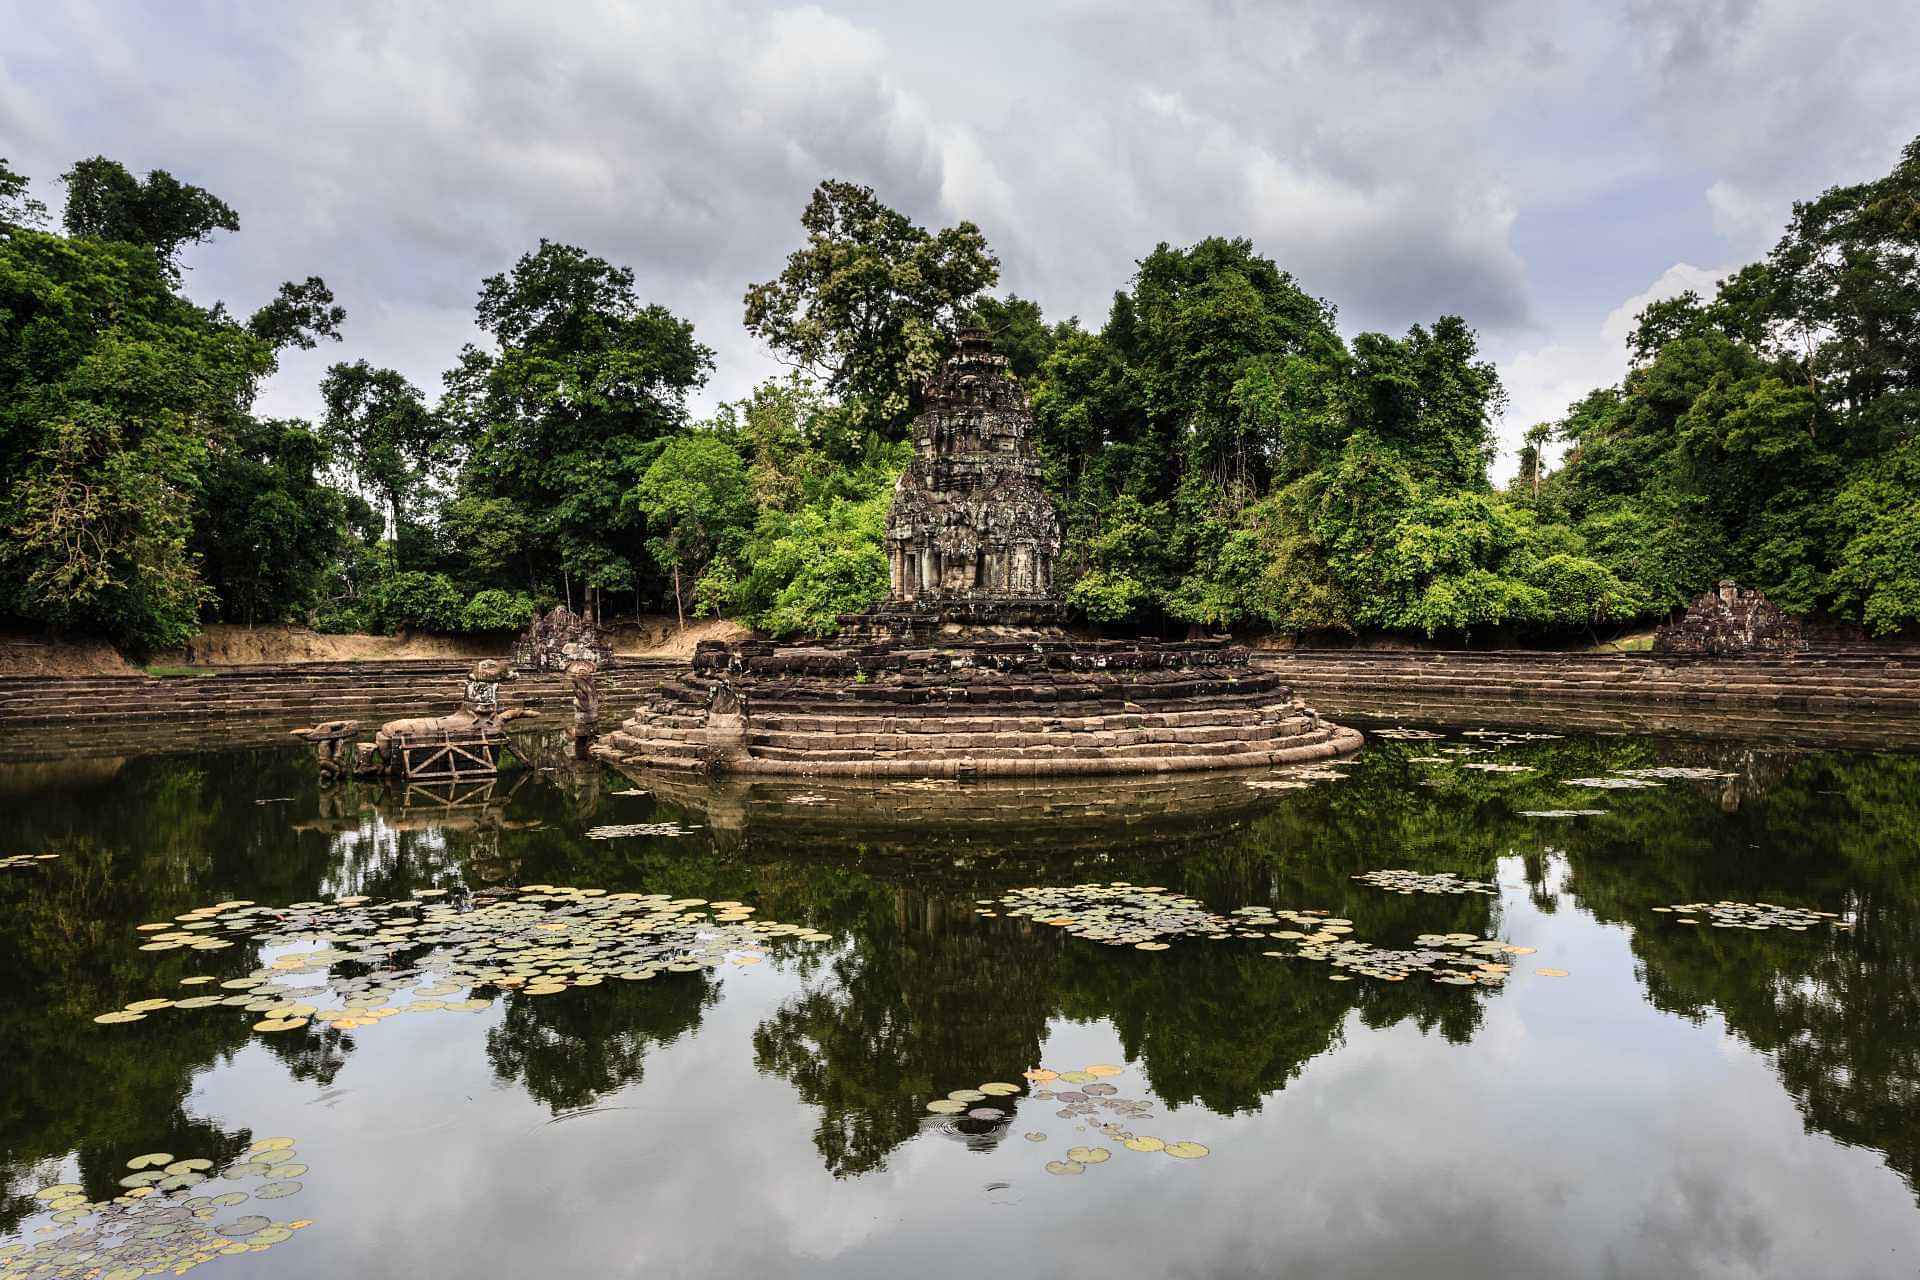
1529, 166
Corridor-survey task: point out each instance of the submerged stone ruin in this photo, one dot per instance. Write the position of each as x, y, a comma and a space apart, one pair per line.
965, 670
1730, 620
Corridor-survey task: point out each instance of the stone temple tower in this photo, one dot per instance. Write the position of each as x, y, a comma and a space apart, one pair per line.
971, 536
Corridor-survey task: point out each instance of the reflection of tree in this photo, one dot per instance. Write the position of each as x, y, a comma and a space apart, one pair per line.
572, 1049
66, 1085
918, 996
1833, 1010
922, 1001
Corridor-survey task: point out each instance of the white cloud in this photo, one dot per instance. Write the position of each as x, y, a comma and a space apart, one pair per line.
1745, 218
1544, 381
1513, 163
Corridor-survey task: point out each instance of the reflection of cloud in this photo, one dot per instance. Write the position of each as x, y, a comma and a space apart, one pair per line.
1578, 1133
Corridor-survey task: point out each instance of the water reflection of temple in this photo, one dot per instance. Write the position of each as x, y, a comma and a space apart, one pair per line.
993, 819
919, 996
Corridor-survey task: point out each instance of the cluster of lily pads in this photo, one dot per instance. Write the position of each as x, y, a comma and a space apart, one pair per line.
620, 831
14, 860
974, 1103
1612, 783
1752, 915
1408, 882
411, 955
1087, 1098
1451, 959
1141, 916
1121, 914
1489, 739
166, 1217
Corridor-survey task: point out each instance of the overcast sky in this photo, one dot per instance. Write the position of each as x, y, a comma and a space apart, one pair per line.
1541, 167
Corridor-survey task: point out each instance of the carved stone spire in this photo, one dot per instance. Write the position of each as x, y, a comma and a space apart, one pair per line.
971, 535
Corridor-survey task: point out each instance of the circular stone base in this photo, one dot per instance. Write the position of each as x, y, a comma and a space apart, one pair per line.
973, 709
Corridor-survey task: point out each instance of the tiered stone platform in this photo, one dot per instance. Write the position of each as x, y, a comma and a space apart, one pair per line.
972, 707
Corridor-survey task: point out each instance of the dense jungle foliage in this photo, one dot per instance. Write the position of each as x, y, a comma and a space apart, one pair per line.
1221, 455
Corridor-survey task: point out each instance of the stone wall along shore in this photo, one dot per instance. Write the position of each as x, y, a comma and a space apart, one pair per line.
42, 717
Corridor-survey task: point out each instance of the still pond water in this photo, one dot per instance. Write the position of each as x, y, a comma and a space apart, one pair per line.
607, 1086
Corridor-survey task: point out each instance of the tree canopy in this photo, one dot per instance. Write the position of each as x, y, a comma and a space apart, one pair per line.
868, 304
1222, 454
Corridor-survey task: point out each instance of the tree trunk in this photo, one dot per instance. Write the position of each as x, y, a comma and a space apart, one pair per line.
678, 611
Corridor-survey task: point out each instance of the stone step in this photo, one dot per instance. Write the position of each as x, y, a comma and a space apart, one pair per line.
1107, 739
640, 756
822, 724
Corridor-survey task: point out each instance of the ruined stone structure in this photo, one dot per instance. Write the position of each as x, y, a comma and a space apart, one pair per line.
971, 535
468, 742
965, 671
1728, 621
558, 637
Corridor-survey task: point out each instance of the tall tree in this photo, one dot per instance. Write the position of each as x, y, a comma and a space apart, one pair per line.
267, 527
696, 496
1020, 333
869, 303
17, 208
379, 426
105, 202
119, 402
565, 416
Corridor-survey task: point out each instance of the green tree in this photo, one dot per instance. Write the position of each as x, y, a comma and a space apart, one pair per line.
868, 305
17, 208
266, 528
105, 202
1759, 434
1020, 333
122, 404
695, 496
378, 424
565, 417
